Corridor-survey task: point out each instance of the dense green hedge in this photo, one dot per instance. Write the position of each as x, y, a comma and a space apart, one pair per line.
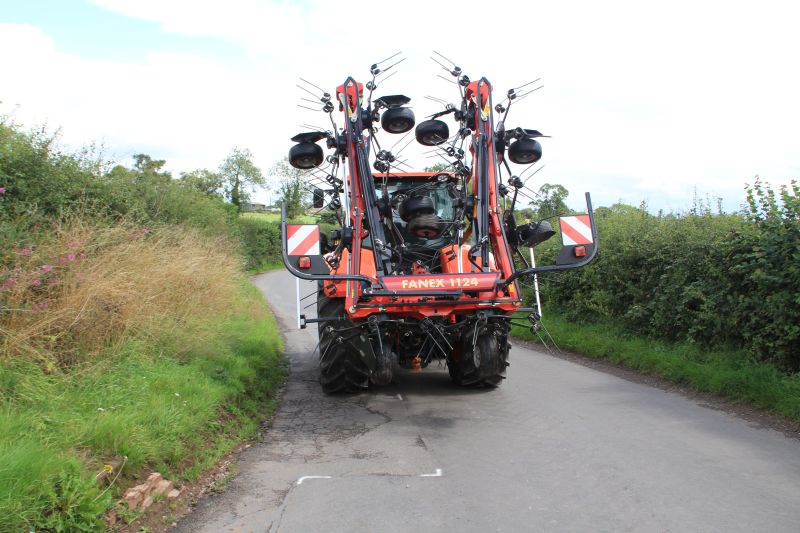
42, 185
261, 239
713, 279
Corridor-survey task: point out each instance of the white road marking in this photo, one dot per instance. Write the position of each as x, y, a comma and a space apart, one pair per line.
300, 481
437, 473
400, 397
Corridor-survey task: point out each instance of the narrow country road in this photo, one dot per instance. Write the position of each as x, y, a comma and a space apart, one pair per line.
558, 447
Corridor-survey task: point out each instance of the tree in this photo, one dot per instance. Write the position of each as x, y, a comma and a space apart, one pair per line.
437, 167
240, 175
147, 166
550, 201
203, 180
290, 187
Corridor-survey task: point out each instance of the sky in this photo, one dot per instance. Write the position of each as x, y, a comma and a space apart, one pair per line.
644, 102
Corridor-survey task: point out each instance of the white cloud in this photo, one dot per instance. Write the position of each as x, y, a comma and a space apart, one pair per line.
643, 102
187, 109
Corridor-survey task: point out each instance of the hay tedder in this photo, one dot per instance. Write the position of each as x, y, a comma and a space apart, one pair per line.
422, 264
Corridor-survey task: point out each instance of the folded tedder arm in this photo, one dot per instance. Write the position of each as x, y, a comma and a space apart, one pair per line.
443, 287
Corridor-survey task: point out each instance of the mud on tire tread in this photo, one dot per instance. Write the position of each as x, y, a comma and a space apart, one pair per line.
341, 369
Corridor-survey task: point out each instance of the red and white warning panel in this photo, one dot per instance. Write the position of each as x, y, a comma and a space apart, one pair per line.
576, 230
302, 239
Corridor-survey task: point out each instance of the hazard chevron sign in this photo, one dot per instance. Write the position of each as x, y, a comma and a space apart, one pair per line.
302, 239
576, 230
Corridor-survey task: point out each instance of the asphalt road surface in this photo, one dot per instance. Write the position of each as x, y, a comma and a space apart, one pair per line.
558, 447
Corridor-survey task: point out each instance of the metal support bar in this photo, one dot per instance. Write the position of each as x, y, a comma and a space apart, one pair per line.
297, 301
552, 268
395, 294
316, 277
536, 283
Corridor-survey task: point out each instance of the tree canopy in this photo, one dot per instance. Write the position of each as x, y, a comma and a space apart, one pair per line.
290, 187
240, 176
551, 201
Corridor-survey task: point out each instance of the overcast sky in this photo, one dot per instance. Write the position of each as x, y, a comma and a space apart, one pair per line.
644, 101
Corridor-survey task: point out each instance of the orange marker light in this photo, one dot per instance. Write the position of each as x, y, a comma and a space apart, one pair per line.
304, 262
580, 251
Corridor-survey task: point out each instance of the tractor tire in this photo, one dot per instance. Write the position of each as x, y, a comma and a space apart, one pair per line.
481, 365
341, 369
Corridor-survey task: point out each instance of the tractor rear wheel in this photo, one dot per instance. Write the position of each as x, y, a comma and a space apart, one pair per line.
341, 368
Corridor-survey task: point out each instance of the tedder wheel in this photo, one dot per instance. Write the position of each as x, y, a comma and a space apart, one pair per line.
397, 120
432, 132
483, 364
341, 367
305, 155
525, 151
425, 226
415, 205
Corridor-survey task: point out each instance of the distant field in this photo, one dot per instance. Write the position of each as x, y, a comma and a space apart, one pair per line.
276, 217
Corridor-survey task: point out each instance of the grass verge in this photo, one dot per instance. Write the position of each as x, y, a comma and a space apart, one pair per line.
174, 406
732, 375
266, 266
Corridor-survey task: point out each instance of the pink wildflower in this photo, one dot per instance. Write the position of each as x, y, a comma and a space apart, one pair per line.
41, 306
2, 190
25, 252
70, 257
8, 284
36, 283
47, 268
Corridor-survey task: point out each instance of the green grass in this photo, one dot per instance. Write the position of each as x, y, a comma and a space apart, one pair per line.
731, 374
266, 266
172, 407
276, 217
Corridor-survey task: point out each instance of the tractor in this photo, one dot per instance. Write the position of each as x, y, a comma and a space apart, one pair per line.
422, 266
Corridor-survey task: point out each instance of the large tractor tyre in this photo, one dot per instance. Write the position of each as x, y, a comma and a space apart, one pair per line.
341, 368
481, 365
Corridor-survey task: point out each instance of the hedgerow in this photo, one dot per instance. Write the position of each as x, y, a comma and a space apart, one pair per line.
717, 280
